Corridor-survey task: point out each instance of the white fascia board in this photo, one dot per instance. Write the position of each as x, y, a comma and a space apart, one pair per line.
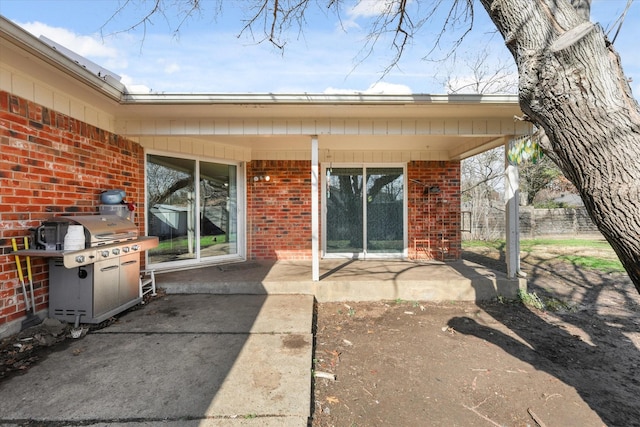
306, 98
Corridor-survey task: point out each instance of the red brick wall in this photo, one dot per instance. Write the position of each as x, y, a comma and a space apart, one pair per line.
433, 216
279, 210
53, 164
279, 218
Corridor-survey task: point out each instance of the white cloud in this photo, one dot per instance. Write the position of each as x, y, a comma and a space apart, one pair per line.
378, 88
87, 46
371, 8
171, 68
134, 87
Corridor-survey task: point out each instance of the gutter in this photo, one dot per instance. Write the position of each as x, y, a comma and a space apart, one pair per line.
312, 99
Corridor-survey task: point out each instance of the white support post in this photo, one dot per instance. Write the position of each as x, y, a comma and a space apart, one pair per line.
512, 223
315, 220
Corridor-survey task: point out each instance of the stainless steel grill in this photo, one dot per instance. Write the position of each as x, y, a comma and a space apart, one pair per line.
93, 284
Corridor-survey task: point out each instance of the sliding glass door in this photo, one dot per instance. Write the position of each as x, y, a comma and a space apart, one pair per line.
364, 213
193, 222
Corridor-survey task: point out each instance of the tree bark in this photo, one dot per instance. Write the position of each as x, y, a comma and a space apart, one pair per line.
572, 86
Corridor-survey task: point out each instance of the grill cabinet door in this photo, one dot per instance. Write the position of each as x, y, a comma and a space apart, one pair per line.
106, 282
129, 277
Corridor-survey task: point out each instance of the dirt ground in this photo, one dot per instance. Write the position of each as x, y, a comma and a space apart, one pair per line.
402, 363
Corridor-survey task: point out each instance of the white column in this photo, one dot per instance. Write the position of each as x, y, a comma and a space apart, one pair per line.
512, 223
315, 220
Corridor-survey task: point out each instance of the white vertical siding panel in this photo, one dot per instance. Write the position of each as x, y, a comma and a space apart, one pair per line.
263, 127
192, 127
494, 127
22, 87
365, 127
90, 116
451, 127
409, 127
465, 127
43, 96
61, 103
336, 126
479, 127
379, 128
279, 127
76, 109
177, 127
351, 127
423, 127
309, 127
162, 127
248, 127
207, 127
394, 127
5, 80
437, 127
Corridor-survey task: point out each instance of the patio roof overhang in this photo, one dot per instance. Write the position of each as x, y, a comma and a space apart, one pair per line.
453, 126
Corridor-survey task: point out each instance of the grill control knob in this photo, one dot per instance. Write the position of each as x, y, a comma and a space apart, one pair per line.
80, 259
135, 247
125, 249
116, 251
104, 254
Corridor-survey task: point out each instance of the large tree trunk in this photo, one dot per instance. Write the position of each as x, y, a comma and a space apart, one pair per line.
573, 88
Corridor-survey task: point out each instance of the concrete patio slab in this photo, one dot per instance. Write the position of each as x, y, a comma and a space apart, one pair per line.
348, 280
187, 360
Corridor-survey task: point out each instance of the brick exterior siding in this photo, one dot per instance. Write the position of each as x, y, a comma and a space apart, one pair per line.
433, 216
53, 164
279, 210
279, 218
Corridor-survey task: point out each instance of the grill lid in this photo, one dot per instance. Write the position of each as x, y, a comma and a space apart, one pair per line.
103, 229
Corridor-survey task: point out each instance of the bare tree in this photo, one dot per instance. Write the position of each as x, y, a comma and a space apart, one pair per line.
481, 181
571, 86
476, 74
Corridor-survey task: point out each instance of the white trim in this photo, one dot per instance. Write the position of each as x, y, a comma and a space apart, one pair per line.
315, 220
241, 241
365, 254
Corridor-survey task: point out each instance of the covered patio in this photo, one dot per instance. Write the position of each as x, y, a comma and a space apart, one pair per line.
348, 280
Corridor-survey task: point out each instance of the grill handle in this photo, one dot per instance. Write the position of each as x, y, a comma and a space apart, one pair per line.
113, 236
111, 267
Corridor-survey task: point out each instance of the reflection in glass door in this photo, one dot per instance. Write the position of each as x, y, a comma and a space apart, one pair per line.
344, 211
218, 214
385, 210
192, 222
374, 224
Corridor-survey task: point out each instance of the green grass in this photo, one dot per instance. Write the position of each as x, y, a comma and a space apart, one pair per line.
530, 244
594, 263
181, 243
605, 261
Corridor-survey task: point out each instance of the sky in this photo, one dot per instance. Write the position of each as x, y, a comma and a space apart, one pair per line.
211, 54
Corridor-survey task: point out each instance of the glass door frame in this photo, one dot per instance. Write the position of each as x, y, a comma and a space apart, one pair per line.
405, 205
241, 214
